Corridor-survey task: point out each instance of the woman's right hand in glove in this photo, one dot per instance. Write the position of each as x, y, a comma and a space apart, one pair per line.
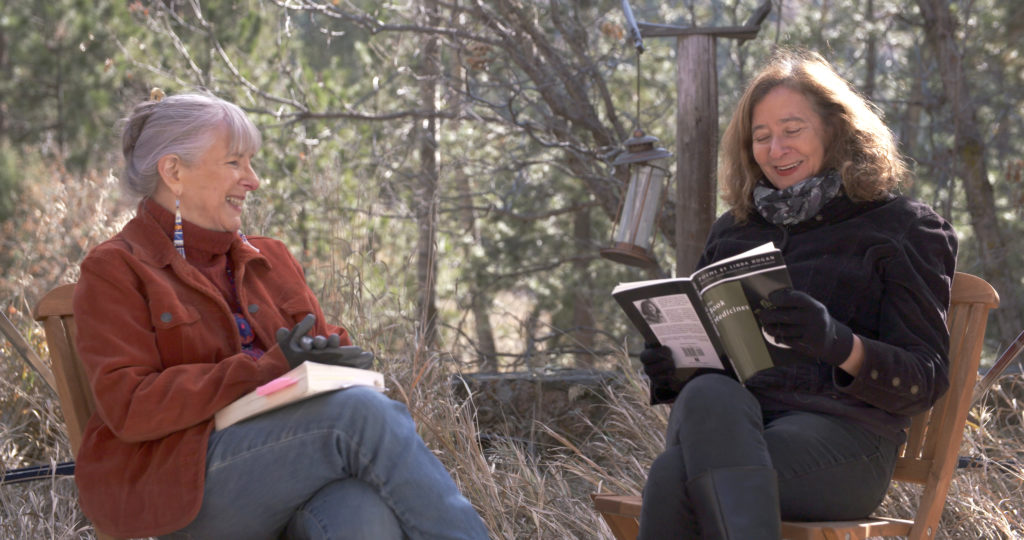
657, 361
299, 347
661, 369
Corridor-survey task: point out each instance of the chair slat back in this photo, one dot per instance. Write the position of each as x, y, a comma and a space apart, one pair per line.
931, 461
931, 434
54, 312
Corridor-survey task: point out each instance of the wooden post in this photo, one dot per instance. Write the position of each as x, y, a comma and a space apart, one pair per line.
696, 146
697, 127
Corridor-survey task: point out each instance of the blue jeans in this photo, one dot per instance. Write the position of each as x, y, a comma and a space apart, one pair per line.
345, 464
827, 467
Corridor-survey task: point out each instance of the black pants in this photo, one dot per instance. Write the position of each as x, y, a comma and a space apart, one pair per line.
828, 468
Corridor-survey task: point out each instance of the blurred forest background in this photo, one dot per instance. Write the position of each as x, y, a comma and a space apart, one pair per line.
442, 170
463, 147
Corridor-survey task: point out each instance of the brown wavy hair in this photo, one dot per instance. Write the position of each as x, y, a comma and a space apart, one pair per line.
860, 146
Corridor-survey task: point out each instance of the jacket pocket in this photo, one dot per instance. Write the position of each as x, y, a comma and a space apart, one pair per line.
177, 332
268, 313
295, 307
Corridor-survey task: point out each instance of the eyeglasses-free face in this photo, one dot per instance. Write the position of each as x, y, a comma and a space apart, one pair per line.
788, 136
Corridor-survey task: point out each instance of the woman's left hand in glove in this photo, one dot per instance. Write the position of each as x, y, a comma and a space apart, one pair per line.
802, 323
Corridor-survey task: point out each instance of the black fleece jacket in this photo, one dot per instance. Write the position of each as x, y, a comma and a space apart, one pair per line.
882, 268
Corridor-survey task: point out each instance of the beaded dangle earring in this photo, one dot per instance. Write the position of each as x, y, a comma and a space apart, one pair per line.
179, 233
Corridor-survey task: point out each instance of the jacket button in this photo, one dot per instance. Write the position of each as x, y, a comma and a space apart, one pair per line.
253, 308
874, 374
166, 317
895, 381
913, 389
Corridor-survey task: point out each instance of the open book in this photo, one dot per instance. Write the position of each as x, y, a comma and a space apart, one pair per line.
305, 381
709, 319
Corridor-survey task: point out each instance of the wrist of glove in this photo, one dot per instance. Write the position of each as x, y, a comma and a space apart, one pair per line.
298, 347
798, 321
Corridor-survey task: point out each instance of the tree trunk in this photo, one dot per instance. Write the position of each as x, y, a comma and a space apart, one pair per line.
480, 299
911, 146
969, 149
479, 296
426, 215
582, 309
871, 51
6, 73
486, 350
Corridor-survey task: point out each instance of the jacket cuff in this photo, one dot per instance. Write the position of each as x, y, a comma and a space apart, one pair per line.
664, 391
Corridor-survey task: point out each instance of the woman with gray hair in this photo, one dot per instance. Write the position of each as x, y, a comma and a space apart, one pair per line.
180, 314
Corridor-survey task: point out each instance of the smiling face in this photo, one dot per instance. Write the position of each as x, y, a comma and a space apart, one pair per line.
212, 190
788, 137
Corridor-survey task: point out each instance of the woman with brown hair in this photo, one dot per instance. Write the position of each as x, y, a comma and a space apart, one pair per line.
807, 163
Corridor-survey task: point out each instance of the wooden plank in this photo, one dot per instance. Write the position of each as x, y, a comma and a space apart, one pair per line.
56, 302
748, 30
696, 146
25, 350
741, 33
857, 529
623, 527
72, 401
915, 436
912, 470
55, 312
620, 512
626, 505
974, 290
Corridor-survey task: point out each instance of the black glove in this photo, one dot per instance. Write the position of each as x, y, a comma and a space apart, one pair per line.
657, 361
802, 323
298, 347
661, 369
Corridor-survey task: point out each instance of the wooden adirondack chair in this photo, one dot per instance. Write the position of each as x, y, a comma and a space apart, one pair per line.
76, 401
929, 457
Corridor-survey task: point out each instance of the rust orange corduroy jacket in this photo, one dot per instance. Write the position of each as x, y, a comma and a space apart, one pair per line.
163, 354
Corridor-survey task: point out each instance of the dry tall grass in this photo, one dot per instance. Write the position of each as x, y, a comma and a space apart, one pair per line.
521, 490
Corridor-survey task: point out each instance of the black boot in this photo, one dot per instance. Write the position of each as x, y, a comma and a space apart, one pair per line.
737, 503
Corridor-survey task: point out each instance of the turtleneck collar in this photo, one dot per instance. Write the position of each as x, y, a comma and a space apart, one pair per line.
202, 246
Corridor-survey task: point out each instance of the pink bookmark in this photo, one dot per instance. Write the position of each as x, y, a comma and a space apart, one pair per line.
279, 383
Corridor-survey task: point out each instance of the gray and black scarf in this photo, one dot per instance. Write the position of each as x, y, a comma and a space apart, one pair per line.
798, 202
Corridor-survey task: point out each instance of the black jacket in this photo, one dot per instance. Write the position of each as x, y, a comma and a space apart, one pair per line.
882, 268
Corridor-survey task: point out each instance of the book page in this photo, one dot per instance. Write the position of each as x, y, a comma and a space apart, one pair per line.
767, 247
629, 286
765, 260
677, 326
